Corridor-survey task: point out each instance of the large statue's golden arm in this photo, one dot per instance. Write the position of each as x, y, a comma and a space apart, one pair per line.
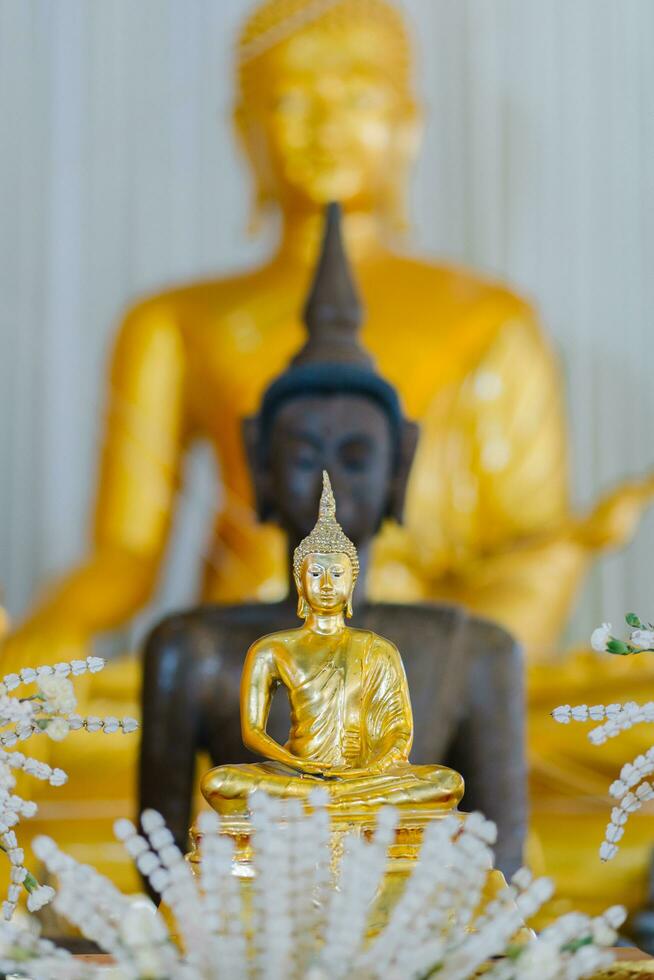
496, 530
614, 520
543, 572
138, 482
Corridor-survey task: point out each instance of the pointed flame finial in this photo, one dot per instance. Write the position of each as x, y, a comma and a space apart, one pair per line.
327, 508
327, 537
333, 314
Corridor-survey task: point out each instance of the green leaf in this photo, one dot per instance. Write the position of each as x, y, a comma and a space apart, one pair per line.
576, 944
633, 620
30, 882
617, 646
431, 971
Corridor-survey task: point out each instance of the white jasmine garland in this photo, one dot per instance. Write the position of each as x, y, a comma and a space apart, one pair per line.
22, 716
212, 914
632, 789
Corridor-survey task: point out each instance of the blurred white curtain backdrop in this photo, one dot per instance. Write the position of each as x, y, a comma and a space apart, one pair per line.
119, 173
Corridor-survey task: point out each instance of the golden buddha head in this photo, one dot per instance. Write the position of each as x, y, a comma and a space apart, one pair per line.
325, 563
325, 108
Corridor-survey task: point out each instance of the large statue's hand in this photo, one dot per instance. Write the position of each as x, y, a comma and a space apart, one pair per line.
614, 519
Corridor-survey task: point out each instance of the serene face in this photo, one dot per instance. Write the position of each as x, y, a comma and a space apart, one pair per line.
327, 115
350, 437
327, 582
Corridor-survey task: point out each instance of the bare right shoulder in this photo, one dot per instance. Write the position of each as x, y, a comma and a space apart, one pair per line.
213, 296
274, 646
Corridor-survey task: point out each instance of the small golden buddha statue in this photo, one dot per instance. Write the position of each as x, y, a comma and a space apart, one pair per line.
351, 723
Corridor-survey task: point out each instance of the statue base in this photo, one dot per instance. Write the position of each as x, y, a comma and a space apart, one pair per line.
402, 855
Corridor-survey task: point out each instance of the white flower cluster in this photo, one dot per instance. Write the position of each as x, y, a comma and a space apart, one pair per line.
641, 637
582, 938
300, 917
49, 709
17, 943
632, 789
618, 717
600, 637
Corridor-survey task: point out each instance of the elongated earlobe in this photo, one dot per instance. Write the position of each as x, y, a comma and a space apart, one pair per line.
302, 605
407, 450
348, 608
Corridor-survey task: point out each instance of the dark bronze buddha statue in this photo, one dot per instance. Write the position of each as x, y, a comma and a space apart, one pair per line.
331, 410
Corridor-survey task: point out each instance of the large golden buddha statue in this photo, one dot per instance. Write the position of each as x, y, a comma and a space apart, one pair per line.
326, 111
351, 724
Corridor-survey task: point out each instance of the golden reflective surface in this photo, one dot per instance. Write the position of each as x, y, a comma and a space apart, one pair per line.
351, 723
402, 856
